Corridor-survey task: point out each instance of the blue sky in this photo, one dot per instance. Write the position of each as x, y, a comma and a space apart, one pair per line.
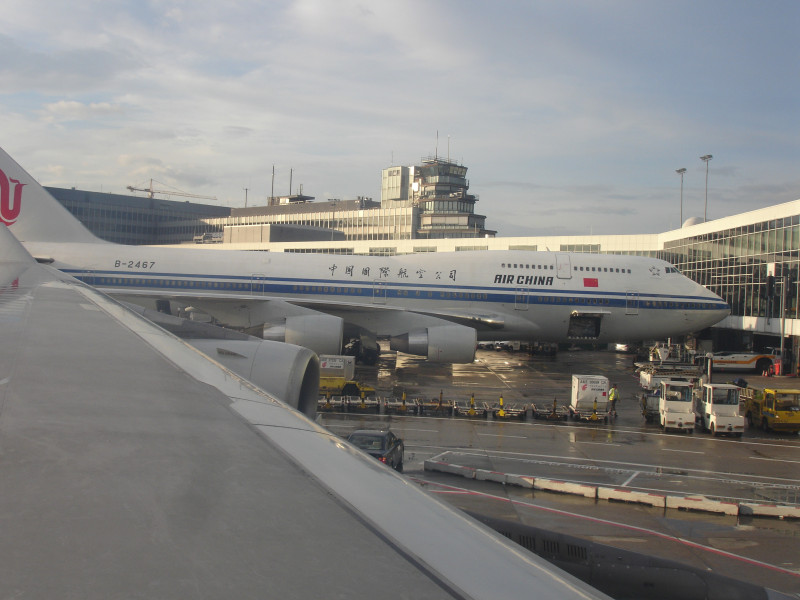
571, 116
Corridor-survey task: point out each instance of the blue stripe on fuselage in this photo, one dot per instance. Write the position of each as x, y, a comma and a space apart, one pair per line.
259, 285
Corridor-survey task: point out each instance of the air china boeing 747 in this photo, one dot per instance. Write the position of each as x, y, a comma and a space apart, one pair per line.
434, 304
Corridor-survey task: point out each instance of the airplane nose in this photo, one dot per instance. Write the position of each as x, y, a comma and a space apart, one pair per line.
720, 310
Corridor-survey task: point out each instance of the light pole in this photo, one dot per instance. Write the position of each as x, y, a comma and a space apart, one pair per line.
680, 172
705, 159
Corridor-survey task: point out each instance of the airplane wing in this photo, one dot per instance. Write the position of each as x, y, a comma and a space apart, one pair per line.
132, 465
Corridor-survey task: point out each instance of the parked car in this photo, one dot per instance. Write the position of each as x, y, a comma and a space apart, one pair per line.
382, 444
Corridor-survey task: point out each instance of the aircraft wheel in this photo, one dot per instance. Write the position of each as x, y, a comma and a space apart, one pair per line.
713, 429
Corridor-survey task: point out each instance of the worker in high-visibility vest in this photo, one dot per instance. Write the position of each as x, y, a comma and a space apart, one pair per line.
613, 396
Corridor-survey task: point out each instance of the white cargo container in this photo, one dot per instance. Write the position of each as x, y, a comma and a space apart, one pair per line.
589, 399
336, 365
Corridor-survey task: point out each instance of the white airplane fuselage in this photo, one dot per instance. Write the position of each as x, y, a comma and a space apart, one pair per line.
519, 295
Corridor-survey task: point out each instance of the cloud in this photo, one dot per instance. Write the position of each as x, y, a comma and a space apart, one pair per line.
71, 110
570, 116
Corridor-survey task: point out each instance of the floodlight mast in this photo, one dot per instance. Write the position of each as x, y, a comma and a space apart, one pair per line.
705, 158
680, 172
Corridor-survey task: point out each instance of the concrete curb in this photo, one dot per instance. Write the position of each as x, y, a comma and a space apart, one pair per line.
697, 503
484, 475
769, 510
703, 504
524, 481
622, 495
565, 487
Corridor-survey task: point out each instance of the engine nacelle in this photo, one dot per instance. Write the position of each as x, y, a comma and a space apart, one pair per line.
288, 372
441, 343
321, 333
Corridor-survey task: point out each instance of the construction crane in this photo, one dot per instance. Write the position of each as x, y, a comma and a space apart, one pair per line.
151, 191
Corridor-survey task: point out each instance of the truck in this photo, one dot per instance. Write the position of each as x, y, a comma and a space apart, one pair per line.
675, 407
589, 398
772, 409
339, 386
758, 362
717, 409
336, 377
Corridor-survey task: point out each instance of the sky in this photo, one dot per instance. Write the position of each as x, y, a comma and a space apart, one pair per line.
571, 116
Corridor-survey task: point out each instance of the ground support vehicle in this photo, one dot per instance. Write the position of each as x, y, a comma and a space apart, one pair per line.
759, 362
650, 402
471, 409
772, 409
400, 406
382, 444
589, 398
361, 404
651, 375
552, 412
717, 409
504, 412
675, 409
330, 403
340, 386
435, 408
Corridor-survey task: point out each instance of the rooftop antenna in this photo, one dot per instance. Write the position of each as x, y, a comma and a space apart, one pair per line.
290, 181
245, 197
436, 152
272, 189
448, 148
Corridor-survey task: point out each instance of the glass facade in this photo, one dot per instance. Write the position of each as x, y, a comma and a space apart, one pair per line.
735, 264
134, 220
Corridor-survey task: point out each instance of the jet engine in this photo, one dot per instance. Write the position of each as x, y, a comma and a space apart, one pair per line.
288, 372
321, 333
440, 343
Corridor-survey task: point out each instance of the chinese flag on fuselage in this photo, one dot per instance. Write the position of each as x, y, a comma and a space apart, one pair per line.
590, 282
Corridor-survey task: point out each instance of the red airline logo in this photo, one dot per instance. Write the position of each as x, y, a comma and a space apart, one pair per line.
9, 206
590, 282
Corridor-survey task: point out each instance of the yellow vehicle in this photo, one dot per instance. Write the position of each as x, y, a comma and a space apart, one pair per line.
339, 386
773, 409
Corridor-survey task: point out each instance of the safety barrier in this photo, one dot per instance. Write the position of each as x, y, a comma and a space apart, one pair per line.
703, 504
770, 510
565, 487
440, 464
621, 495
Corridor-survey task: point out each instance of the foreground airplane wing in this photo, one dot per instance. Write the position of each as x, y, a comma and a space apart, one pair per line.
134, 466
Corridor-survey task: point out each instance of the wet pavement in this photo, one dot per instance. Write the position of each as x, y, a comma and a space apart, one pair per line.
627, 452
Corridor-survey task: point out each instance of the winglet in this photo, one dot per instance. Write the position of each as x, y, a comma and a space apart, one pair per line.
31, 213
14, 259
